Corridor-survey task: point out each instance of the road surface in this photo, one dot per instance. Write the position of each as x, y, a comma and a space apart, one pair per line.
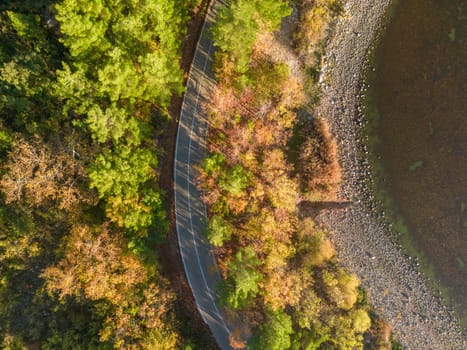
190, 212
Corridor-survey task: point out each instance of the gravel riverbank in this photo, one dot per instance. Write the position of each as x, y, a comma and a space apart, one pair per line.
395, 286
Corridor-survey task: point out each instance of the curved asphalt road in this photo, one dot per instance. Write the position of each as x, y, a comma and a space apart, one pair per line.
190, 212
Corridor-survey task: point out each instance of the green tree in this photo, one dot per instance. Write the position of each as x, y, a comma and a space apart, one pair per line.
122, 177
274, 334
5, 140
26, 72
235, 180
129, 50
114, 124
83, 25
219, 230
308, 340
28, 26
242, 283
123, 60
122, 171
239, 23
267, 78
137, 211
213, 164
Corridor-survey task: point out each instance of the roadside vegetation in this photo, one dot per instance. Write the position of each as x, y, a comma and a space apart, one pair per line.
270, 153
84, 92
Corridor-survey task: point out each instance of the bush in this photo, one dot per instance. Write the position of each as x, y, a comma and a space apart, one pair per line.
361, 320
341, 287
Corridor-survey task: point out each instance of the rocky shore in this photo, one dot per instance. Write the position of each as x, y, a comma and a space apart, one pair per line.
395, 285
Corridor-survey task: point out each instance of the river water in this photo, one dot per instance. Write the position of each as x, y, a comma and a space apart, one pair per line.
419, 137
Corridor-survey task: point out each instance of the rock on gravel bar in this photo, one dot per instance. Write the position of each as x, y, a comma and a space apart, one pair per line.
395, 286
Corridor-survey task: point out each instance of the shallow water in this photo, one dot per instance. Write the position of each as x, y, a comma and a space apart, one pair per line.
420, 93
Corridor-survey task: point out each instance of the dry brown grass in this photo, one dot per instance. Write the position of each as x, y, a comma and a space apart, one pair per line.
314, 23
318, 161
315, 18
379, 335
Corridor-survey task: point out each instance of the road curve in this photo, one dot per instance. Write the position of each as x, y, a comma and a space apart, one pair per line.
190, 212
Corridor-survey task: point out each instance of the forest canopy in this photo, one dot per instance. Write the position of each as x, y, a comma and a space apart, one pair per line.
84, 91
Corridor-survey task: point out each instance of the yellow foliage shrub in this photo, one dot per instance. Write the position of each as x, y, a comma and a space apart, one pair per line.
341, 287
313, 246
361, 320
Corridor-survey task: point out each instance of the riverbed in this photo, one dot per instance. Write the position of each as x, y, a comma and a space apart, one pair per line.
366, 244
419, 134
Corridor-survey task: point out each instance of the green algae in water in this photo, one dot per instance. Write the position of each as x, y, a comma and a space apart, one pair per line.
416, 165
461, 263
452, 34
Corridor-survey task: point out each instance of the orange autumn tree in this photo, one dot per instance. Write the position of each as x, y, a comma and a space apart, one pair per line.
96, 266
38, 172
